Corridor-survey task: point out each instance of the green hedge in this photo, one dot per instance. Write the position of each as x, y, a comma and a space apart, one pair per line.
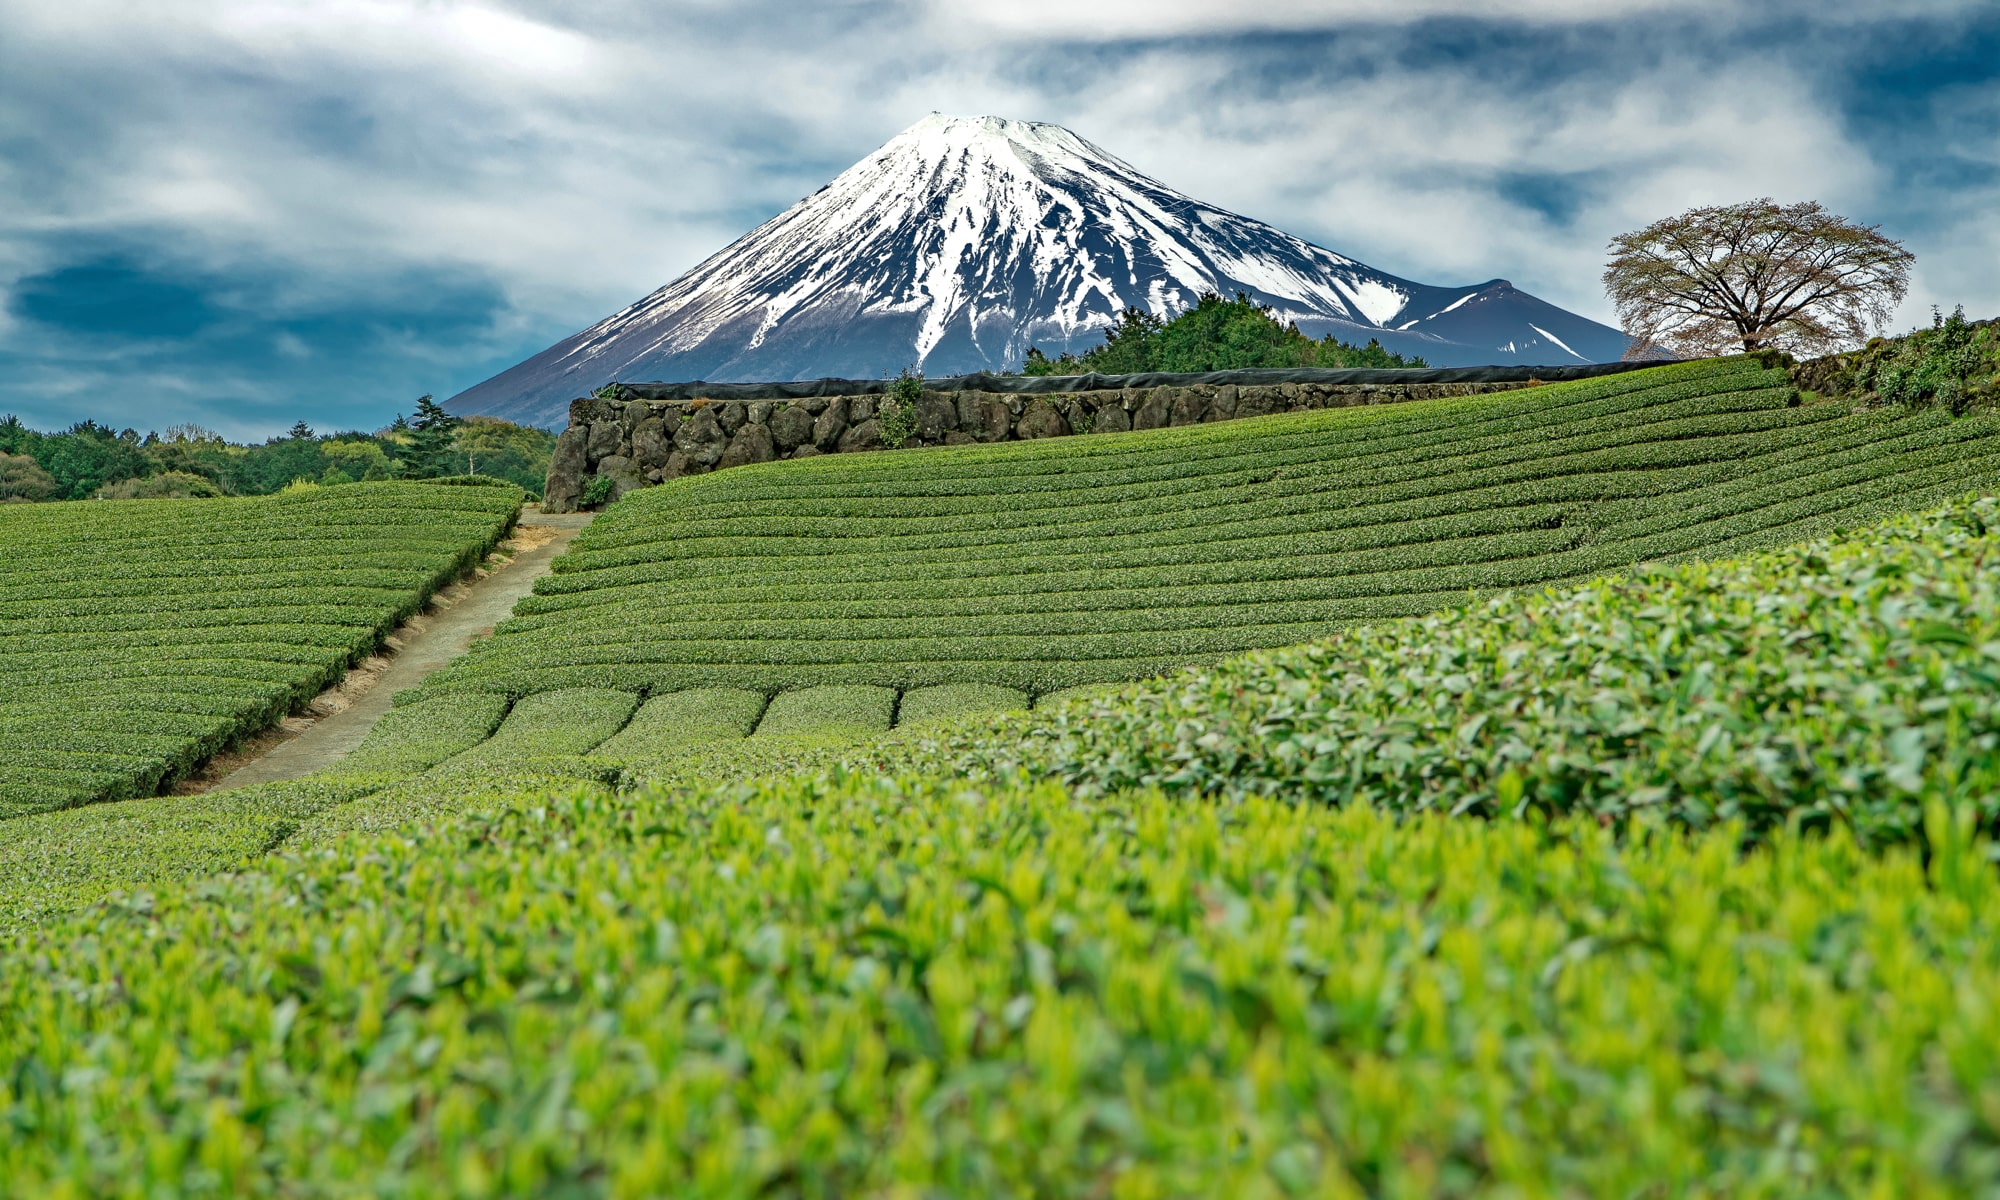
827, 712
868, 987
1843, 682
223, 613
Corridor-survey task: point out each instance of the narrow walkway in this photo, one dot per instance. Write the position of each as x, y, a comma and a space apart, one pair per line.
448, 635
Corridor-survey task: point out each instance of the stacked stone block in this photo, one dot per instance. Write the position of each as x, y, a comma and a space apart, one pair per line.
635, 443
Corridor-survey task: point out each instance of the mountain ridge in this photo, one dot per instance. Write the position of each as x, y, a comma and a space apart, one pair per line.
962, 241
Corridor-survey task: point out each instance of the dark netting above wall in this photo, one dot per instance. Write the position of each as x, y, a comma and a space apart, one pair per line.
1050, 384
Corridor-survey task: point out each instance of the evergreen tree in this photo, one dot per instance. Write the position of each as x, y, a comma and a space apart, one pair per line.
432, 432
15, 437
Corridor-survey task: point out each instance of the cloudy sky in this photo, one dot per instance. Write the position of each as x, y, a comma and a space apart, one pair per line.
245, 213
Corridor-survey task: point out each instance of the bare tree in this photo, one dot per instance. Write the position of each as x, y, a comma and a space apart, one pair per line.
1790, 277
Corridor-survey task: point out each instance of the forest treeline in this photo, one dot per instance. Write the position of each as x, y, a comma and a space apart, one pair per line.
1214, 335
91, 460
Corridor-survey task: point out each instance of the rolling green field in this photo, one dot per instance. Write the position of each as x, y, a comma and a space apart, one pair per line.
1276, 928
1670, 880
1044, 565
137, 639
1843, 683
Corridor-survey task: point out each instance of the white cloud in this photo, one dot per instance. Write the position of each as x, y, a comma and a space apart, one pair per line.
1112, 20
1116, 19
454, 35
579, 155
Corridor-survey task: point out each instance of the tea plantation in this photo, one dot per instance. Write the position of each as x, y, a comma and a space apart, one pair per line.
1842, 683
1039, 566
1670, 880
137, 639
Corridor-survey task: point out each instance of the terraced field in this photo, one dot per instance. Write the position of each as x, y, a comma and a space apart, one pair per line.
501, 977
1848, 683
1043, 566
1678, 882
138, 638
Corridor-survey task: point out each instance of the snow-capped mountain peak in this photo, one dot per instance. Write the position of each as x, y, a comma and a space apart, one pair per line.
962, 241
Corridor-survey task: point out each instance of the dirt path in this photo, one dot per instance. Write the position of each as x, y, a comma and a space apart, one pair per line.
423, 645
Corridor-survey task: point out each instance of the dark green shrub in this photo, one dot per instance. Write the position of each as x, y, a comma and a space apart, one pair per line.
1944, 365
899, 408
1214, 335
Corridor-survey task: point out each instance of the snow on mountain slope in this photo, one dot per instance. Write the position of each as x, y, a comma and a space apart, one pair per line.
965, 240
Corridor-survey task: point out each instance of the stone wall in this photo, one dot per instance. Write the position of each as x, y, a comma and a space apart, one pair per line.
637, 442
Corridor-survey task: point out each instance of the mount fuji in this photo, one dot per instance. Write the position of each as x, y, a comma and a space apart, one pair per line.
965, 240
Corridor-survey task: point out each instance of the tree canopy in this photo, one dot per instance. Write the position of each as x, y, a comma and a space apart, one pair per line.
1748, 276
1214, 335
89, 459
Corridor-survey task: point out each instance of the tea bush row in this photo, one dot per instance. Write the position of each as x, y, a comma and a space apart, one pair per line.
53, 862
1846, 683
418, 759
138, 638
1839, 683
922, 971
1038, 568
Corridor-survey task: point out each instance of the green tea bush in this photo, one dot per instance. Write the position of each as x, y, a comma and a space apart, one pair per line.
1147, 968
563, 722
862, 986
675, 721
1052, 700
1841, 683
420, 736
53, 862
829, 712
954, 702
